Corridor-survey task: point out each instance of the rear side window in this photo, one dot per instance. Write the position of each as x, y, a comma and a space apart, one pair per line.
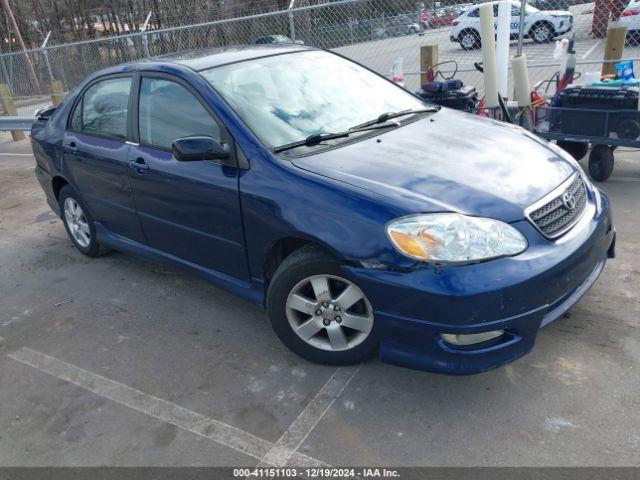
103, 109
169, 111
474, 13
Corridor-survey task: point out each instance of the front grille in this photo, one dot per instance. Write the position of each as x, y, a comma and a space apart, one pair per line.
555, 217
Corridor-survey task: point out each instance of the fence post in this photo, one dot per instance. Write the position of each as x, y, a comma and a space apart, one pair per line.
292, 24
45, 54
145, 38
523, 8
428, 58
57, 93
614, 46
145, 45
10, 108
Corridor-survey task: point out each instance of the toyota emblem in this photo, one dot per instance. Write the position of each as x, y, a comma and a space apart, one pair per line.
569, 201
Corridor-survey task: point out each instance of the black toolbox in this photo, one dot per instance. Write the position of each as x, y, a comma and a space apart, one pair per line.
597, 111
464, 98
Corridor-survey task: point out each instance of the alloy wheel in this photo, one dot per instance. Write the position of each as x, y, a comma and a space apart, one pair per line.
329, 312
77, 222
542, 33
468, 41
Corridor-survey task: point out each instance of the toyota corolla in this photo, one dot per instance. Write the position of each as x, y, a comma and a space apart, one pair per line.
364, 220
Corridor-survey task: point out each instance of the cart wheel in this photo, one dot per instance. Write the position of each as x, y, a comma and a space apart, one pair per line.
601, 162
628, 129
576, 149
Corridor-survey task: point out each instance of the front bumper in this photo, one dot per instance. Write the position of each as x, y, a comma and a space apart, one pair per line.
518, 294
565, 25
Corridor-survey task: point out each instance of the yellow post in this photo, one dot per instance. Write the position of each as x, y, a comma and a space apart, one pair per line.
9, 108
428, 58
616, 36
57, 93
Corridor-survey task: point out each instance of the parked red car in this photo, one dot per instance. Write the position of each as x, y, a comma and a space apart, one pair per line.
438, 18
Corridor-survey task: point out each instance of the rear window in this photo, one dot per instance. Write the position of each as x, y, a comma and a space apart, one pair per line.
103, 109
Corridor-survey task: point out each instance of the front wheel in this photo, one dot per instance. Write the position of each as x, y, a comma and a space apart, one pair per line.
318, 313
576, 149
601, 162
542, 33
633, 38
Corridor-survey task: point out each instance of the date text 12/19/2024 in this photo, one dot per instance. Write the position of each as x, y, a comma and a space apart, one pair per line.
325, 472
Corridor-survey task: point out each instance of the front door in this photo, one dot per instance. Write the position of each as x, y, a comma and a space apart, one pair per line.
190, 210
96, 155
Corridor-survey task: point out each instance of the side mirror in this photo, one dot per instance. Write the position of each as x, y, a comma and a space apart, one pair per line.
193, 149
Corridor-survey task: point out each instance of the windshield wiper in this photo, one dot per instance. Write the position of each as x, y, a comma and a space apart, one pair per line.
385, 117
316, 139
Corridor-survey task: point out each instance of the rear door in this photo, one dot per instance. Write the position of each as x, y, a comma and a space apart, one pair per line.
96, 150
188, 209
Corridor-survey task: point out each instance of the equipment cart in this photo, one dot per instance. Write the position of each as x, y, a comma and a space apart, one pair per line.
606, 118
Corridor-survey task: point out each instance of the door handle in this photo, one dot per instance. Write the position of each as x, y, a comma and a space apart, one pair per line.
139, 165
71, 148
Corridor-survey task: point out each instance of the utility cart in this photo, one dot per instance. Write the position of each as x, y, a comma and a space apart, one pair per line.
606, 118
603, 129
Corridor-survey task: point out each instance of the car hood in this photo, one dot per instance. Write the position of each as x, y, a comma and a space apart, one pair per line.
449, 161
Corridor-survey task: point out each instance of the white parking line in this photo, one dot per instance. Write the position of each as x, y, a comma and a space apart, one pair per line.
17, 154
292, 438
590, 51
168, 412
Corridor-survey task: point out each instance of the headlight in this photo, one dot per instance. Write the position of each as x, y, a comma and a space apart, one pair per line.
454, 238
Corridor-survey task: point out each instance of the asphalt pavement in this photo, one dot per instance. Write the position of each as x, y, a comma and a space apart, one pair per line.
118, 361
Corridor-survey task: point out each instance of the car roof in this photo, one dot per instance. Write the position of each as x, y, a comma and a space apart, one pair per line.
198, 60
215, 57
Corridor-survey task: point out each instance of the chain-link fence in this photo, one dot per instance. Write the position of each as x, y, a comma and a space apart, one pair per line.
376, 33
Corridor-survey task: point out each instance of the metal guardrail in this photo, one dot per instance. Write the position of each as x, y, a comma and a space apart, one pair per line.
14, 124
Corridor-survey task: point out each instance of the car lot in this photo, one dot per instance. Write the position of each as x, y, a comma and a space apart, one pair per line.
118, 361
380, 55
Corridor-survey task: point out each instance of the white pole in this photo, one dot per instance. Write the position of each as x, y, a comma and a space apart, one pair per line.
487, 37
502, 47
521, 80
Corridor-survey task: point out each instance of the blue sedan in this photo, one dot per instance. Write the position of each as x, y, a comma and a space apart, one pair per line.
364, 220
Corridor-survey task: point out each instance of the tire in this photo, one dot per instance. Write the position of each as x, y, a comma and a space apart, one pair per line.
469, 39
628, 129
601, 162
576, 149
542, 32
78, 222
294, 302
633, 38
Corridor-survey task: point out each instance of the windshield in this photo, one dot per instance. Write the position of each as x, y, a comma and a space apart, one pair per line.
287, 98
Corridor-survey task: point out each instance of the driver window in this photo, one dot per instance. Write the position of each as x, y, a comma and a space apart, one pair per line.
168, 111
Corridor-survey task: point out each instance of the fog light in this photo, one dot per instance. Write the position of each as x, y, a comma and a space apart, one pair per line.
471, 339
